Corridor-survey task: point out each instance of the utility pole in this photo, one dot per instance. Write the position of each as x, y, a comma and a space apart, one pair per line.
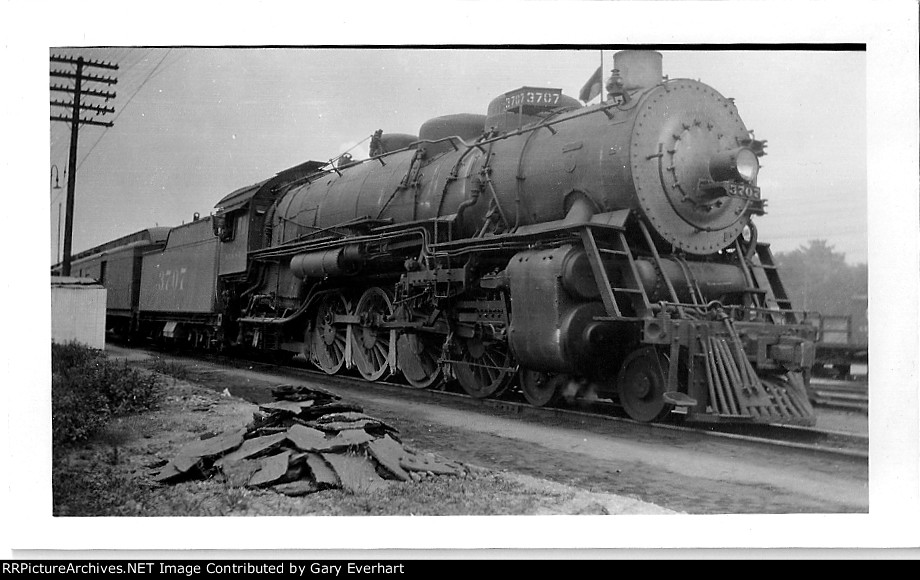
77, 92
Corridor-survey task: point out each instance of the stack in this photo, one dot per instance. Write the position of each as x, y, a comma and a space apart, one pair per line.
306, 440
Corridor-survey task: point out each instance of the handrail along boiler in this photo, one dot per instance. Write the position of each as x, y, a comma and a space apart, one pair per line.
559, 249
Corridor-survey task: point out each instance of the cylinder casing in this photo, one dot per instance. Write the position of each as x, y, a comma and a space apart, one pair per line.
551, 328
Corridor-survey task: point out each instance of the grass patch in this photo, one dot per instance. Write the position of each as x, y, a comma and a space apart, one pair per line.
88, 389
170, 369
100, 491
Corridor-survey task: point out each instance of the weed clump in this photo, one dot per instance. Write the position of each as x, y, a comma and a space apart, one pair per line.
88, 389
171, 369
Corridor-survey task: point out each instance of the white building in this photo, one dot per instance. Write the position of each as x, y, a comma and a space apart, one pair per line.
78, 311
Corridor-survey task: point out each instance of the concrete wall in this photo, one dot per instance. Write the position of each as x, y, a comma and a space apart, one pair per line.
78, 314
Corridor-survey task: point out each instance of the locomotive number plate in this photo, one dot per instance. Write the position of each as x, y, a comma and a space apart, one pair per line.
743, 190
533, 97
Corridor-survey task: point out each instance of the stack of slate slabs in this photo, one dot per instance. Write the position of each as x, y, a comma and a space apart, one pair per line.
305, 441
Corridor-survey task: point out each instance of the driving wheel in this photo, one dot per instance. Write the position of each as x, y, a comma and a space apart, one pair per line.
327, 338
370, 342
418, 353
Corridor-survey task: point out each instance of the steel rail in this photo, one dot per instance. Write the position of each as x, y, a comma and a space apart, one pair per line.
849, 446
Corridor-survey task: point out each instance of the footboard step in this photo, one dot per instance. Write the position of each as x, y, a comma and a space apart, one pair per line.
679, 399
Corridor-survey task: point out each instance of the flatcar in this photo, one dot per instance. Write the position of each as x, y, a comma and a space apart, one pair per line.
543, 247
840, 348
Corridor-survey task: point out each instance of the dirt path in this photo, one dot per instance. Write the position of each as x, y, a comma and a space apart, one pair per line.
669, 471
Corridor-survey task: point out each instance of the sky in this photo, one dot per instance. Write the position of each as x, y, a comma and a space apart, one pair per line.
193, 124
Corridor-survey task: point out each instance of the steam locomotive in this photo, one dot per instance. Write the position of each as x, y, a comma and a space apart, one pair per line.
547, 247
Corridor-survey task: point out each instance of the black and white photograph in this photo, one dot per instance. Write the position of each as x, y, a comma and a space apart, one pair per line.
585, 284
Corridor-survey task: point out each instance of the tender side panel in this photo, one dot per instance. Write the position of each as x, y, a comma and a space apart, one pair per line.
182, 278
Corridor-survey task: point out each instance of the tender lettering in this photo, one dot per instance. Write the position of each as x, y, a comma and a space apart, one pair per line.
172, 280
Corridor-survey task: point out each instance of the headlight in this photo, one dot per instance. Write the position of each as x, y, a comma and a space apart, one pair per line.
747, 165
734, 165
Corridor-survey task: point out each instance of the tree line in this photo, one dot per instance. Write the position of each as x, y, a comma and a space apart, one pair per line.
818, 279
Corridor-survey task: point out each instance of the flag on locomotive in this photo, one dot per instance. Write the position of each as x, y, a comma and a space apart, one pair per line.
592, 88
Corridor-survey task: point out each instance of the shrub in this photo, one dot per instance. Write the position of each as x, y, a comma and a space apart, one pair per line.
172, 369
87, 389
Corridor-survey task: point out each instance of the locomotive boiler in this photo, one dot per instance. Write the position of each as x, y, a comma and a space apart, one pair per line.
544, 246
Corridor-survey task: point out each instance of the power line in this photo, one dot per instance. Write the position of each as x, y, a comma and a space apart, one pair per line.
125, 106
129, 60
150, 75
177, 59
76, 119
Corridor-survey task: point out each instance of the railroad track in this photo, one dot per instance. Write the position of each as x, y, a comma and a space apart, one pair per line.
599, 414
